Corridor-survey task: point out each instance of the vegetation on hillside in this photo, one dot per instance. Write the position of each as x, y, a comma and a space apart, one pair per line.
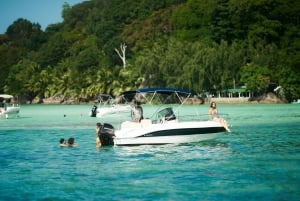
200, 45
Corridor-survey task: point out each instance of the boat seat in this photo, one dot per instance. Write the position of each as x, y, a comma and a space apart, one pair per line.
128, 124
131, 124
145, 122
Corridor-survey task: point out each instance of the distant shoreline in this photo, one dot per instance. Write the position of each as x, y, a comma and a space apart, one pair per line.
228, 100
270, 98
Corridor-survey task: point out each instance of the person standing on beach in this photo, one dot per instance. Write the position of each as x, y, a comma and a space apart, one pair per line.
213, 114
98, 141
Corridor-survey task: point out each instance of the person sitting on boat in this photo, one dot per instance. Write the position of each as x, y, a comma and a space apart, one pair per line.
62, 142
137, 112
98, 141
213, 113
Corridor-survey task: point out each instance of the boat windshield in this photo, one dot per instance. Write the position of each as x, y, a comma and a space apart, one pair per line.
166, 114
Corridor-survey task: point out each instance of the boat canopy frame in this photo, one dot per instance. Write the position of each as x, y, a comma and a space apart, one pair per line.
105, 98
130, 95
182, 96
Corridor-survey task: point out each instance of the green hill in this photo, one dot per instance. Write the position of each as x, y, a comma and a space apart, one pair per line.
200, 45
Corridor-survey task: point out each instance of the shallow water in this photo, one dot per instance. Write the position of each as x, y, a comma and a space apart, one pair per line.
259, 160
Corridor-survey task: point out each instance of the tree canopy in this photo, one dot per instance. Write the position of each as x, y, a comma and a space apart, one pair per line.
199, 45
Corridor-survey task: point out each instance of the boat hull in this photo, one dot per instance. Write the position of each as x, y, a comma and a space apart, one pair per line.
160, 140
168, 133
10, 112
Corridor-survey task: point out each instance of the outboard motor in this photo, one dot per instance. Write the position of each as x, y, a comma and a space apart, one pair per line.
107, 134
94, 111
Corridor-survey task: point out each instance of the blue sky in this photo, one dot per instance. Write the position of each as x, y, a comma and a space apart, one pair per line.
44, 12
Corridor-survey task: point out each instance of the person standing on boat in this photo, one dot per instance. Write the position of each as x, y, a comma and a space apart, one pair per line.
98, 141
137, 112
94, 111
213, 114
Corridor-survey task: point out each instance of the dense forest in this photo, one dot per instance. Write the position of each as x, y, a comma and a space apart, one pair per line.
108, 46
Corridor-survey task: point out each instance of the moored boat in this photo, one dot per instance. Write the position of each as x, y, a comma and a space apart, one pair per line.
7, 108
107, 106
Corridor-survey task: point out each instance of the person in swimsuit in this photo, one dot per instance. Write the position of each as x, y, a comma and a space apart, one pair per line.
62, 142
71, 142
98, 141
213, 114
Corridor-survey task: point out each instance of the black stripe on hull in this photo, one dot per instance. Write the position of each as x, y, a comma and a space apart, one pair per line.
184, 131
141, 144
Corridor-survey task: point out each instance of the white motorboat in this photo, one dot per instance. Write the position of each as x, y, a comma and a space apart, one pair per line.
164, 127
296, 101
7, 108
107, 106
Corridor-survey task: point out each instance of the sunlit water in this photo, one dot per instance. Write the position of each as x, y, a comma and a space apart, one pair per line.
259, 160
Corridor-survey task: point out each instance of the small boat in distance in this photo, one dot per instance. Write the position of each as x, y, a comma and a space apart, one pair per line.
7, 108
165, 126
107, 106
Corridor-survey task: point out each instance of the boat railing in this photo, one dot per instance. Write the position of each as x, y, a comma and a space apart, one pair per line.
181, 118
197, 117
168, 114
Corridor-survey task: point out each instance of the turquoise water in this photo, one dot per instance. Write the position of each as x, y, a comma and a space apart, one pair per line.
259, 160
